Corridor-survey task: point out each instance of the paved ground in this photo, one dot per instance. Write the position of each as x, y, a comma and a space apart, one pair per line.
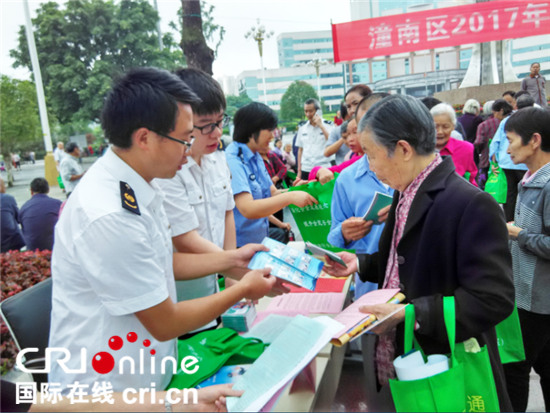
21, 189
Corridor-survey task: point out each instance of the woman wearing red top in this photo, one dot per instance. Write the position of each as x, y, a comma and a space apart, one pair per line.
461, 152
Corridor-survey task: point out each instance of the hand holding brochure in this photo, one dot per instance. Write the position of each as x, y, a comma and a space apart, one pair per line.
320, 252
379, 201
288, 264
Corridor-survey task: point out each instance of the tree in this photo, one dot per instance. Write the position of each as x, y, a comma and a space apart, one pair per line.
234, 103
292, 102
193, 42
82, 47
213, 33
19, 121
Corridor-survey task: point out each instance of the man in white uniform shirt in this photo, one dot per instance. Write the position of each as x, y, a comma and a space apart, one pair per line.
311, 140
113, 268
199, 200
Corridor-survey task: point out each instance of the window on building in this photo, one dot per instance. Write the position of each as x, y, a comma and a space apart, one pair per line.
407, 67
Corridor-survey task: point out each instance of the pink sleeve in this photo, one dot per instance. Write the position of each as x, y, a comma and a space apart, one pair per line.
335, 169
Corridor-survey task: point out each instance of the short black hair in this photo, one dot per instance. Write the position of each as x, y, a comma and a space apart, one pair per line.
430, 102
40, 186
521, 93
313, 102
144, 97
363, 90
509, 92
525, 101
206, 88
369, 101
71, 146
251, 119
343, 110
534, 63
501, 104
528, 121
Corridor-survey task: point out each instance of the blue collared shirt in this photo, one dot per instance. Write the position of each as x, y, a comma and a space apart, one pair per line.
499, 146
353, 194
248, 175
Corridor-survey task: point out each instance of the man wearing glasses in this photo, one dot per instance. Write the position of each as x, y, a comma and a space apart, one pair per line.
199, 200
113, 266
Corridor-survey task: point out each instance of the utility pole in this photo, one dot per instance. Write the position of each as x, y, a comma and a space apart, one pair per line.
50, 170
259, 35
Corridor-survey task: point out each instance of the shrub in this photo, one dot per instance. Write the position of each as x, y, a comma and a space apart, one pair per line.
20, 270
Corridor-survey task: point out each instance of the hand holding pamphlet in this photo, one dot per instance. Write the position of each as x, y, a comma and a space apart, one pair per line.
379, 201
288, 264
321, 253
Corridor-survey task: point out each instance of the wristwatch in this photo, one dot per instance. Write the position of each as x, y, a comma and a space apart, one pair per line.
167, 405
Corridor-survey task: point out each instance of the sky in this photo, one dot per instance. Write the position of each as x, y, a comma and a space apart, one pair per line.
235, 53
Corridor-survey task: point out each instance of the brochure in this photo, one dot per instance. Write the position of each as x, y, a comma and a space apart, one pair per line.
288, 264
321, 253
225, 375
379, 201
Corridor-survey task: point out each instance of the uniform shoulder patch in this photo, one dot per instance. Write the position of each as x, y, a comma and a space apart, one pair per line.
128, 198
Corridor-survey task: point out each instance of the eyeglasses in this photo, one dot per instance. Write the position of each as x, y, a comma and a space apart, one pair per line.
208, 129
185, 143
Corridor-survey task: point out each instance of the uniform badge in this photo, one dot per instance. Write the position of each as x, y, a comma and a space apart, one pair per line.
128, 198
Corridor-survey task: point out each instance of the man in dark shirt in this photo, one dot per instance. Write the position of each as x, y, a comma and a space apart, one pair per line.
9, 216
38, 216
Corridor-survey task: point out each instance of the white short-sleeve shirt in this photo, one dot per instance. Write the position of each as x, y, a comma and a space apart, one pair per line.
312, 140
107, 264
68, 167
198, 197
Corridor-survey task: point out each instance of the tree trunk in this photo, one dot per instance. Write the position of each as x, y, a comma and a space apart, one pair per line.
193, 43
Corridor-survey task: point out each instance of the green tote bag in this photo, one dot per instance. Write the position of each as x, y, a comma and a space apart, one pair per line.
314, 221
213, 349
510, 340
443, 392
496, 185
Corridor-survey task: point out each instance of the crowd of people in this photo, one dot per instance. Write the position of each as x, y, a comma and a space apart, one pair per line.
149, 228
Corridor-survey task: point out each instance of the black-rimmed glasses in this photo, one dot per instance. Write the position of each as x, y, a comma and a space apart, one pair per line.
187, 144
208, 129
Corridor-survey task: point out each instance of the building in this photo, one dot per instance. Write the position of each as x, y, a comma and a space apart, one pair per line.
277, 81
302, 47
419, 74
229, 85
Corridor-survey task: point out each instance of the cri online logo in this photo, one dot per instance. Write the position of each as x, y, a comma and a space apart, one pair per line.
103, 362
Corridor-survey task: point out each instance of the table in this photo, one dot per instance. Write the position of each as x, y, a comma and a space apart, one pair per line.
329, 367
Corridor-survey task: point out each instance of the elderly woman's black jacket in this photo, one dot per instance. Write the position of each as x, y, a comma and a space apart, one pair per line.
455, 243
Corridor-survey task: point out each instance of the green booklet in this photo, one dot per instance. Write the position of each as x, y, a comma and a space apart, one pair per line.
379, 201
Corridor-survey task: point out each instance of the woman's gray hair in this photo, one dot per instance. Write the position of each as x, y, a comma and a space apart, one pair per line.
471, 106
444, 109
488, 108
400, 118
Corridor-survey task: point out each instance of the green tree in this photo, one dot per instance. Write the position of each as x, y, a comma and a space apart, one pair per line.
234, 103
292, 102
19, 121
82, 46
213, 33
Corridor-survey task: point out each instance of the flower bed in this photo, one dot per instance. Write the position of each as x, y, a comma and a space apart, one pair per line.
20, 270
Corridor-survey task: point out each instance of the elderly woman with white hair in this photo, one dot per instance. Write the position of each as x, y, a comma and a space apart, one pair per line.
461, 152
443, 237
470, 119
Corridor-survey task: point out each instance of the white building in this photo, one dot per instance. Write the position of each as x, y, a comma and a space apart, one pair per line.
229, 85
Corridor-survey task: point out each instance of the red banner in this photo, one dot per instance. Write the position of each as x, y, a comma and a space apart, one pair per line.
449, 26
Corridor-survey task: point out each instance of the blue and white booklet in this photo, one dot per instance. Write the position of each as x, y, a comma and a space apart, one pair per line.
289, 264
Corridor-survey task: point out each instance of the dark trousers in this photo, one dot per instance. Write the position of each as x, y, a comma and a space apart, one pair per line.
513, 178
482, 176
304, 175
535, 329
